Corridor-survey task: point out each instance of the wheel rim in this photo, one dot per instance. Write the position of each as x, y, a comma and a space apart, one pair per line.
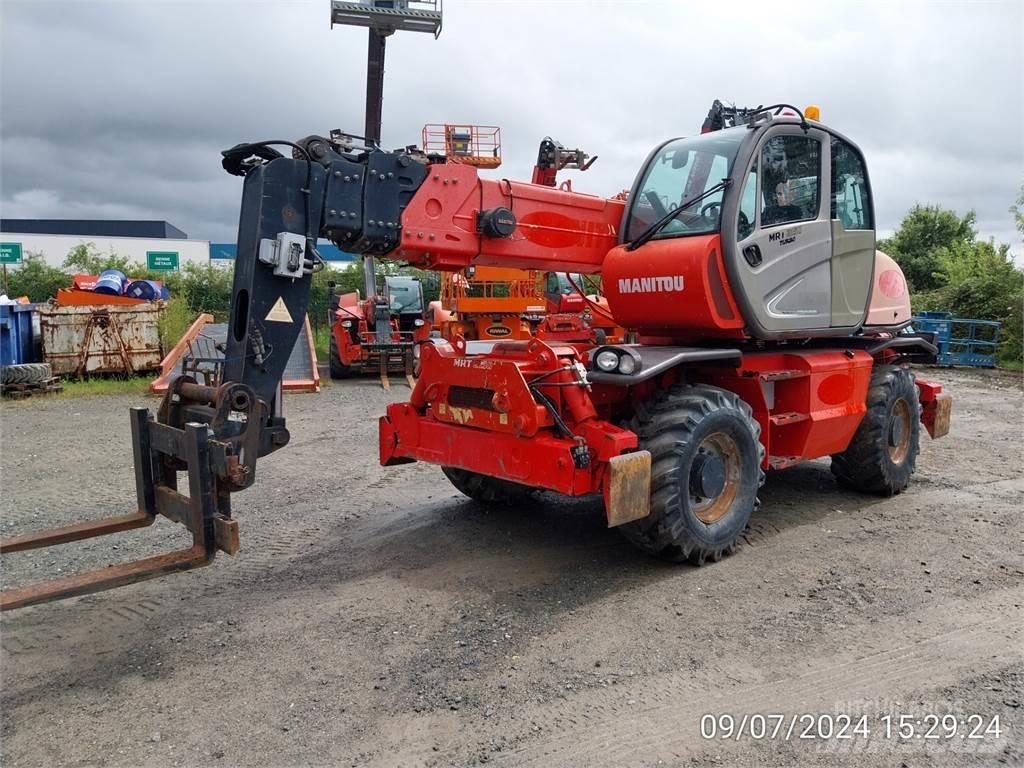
899, 432
714, 477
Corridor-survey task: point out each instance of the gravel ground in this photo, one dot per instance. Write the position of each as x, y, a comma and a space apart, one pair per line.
377, 618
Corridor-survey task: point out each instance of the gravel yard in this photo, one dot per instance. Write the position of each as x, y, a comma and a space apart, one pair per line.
375, 617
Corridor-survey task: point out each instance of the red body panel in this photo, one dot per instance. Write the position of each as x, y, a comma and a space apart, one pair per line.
675, 288
809, 404
542, 461
556, 230
477, 412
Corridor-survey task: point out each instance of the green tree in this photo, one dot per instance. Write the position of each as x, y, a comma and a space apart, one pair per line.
1017, 209
206, 288
967, 277
923, 233
36, 279
86, 259
960, 261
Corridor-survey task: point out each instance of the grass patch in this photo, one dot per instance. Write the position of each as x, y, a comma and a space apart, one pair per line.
1011, 365
98, 387
321, 342
176, 318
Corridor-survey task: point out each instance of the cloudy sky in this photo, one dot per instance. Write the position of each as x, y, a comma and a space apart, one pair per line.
120, 109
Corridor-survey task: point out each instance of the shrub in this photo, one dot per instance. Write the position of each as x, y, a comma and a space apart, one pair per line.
36, 279
177, 317
950, 270
85, 259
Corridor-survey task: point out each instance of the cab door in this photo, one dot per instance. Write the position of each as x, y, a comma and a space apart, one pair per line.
784, 236
853, 235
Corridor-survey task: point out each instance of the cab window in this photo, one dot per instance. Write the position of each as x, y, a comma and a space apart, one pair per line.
748, 206
851, 198
680, 172
790, 180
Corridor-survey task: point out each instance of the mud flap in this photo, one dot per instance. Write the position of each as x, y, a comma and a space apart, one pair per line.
628, 489
936, 408
937, 414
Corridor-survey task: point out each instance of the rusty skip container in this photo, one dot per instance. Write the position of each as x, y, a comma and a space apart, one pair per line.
101, 338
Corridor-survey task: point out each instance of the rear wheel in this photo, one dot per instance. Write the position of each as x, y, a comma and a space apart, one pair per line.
486, 489
705, 471
880, 459
338, 369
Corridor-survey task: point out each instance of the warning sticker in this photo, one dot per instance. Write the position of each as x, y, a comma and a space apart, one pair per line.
279, 312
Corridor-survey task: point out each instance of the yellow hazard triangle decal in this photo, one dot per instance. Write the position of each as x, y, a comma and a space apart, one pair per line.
279, 312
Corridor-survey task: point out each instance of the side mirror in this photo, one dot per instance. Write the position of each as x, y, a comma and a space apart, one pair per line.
680, 158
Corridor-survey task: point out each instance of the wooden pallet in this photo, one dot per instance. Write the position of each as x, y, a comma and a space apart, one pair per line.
44, 387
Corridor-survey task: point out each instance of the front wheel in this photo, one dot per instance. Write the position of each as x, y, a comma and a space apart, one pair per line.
338, 369
881, 456
485, 489
706, 457
417, 355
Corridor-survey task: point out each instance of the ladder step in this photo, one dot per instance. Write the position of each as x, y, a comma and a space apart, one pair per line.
781, 462
781, 375
784, 419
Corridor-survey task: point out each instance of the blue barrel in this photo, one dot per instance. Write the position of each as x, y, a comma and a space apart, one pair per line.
144, 289
111, 282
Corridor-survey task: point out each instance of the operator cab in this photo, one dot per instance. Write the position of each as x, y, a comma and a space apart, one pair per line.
405, 301
560, 295
784, 203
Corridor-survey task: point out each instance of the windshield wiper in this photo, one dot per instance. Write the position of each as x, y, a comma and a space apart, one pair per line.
657, 226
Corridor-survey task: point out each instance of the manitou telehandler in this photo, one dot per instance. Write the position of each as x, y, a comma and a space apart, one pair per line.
765, 330
381, 333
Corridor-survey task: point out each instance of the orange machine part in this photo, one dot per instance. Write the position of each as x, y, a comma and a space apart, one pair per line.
670, 286
70, 297
556, 230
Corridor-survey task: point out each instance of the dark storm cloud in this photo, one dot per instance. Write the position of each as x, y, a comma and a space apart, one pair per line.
121, 109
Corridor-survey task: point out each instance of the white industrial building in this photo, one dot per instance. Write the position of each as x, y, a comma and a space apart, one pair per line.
155, 244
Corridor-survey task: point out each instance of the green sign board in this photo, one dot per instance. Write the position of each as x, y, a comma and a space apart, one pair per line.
162, 261
10, 253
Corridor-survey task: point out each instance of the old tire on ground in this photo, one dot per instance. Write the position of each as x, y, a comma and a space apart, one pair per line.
485, 489
338, 369
26, 373
880, 459
706, 458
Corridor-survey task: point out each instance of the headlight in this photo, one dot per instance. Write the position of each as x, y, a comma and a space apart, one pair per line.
627, 364
346, 323
607, 361
418, 323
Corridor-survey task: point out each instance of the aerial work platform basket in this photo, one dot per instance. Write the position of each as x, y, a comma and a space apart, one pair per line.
961, 340
476, 145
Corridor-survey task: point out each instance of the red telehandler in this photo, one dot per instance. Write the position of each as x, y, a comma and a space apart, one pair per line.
764, 330
356, 341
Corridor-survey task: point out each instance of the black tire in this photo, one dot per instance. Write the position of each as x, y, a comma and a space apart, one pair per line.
417, 352
338, 369
706, 456
881, 456
26, 373
485, 489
